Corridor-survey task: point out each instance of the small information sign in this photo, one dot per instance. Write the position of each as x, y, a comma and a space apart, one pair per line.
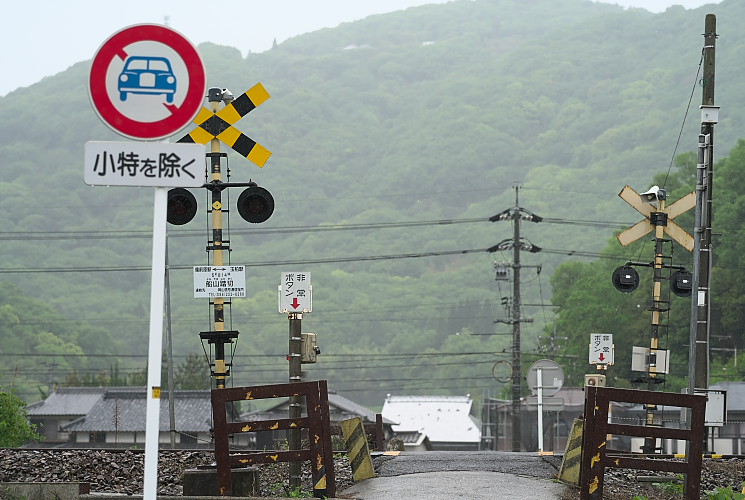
295, 293
601, 349
219, 281
158, 164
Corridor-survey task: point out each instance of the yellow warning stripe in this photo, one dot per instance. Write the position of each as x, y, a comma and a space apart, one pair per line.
570, 465
257, 94
244, 104
359, 454
321, 483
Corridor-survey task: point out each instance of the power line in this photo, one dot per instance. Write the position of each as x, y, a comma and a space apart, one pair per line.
115, 234
254, 369
363, 355
575, 222
76, 235
329, 314
334, 260
331, 260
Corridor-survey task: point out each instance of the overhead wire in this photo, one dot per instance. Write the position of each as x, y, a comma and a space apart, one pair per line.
118, 234
685, 117
330, 260
75, 235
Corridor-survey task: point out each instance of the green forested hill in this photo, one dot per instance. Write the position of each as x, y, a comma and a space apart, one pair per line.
427, 115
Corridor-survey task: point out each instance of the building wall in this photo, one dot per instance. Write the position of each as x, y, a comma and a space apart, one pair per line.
453, 446
49, 428
120, 437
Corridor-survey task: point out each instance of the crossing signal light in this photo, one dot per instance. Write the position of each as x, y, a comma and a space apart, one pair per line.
681, 283
182, 206
625, 279
255, 204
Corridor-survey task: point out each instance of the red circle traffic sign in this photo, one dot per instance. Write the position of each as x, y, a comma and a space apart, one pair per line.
147, 82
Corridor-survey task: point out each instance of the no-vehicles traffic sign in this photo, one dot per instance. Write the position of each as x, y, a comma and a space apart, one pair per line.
147, 82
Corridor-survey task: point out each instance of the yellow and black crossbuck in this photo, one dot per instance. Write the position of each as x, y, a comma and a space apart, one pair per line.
219, 125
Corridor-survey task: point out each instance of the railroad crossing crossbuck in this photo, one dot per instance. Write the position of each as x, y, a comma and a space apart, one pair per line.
646, 225
219, 125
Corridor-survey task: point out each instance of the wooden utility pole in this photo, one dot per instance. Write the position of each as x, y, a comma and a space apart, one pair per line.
698, 375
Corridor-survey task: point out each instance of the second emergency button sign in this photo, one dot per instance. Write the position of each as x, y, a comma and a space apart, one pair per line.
147, 82
295, 293
601, 349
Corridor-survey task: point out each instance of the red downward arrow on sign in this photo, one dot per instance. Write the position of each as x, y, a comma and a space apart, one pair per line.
295, 303
601, 357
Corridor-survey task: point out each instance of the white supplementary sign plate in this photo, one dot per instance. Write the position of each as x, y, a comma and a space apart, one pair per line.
219, 281
158, 164
601, 349
295, 293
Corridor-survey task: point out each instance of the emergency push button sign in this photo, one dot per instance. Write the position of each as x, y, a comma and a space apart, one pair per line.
147, 82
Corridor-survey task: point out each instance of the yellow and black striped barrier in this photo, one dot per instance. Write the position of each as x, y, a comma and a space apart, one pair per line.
359, 453
569, 471
219, 125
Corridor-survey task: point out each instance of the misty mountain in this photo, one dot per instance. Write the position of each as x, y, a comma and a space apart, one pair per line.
427, 117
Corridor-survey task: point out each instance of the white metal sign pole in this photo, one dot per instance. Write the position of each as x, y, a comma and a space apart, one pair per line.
540, 409
157, 291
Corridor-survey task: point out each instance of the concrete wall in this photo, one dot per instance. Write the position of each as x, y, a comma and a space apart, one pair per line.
44, 491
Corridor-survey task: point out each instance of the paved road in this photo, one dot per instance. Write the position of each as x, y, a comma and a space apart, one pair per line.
468, 475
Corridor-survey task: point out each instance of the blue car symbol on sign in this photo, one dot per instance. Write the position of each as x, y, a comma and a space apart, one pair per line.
147, 75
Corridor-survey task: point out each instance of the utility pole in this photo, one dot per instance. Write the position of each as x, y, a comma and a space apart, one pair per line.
553, 342
516, 379
169, 348
50, 383
516, 214
698, 370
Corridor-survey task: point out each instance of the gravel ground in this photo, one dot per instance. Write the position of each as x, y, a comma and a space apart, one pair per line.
122, 471
622, 484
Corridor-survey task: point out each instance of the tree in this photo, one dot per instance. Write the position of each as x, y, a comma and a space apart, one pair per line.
15, 429
192, 373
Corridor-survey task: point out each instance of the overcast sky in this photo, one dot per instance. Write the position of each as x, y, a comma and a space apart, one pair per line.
56, 34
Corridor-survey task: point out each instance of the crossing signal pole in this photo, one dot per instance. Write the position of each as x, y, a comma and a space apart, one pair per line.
516, 214
219, 336
255, 204
658, 219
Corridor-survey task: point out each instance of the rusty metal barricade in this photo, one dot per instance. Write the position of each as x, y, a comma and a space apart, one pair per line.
596, 457
317, 422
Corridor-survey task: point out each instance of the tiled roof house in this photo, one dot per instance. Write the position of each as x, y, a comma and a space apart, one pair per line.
60, 408
119, 416
116, 417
